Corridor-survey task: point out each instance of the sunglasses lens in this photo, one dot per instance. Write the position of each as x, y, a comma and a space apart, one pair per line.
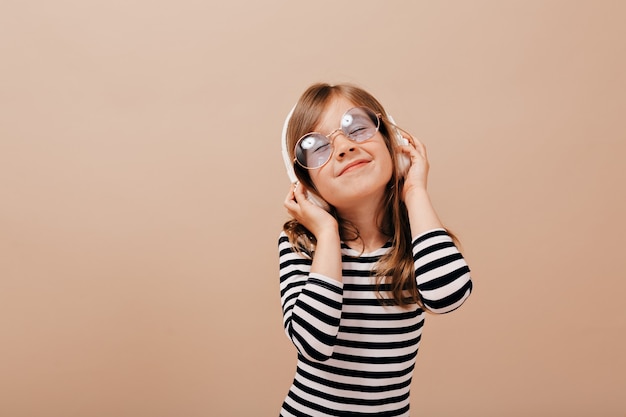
313, 150
359, 124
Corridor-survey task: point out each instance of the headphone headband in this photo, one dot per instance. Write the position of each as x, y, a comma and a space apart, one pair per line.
288, 162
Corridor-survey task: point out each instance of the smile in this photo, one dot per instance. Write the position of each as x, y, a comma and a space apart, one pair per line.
353, 166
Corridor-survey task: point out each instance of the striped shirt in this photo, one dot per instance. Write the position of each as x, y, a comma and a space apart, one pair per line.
355, 354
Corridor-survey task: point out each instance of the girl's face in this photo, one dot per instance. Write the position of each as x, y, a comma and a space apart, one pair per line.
356, 172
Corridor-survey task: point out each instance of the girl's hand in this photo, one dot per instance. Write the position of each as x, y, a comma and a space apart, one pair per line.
417, 176
422, 214
310, 215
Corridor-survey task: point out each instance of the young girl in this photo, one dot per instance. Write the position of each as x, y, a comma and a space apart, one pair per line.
363, 258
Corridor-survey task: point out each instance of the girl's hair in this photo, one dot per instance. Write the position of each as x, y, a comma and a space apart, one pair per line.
395, 273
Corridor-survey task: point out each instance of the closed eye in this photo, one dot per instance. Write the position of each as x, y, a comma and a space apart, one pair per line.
322, 148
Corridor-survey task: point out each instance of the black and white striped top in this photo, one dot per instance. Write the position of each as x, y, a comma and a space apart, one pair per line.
356, 355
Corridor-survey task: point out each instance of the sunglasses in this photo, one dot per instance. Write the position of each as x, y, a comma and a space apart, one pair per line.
358, 124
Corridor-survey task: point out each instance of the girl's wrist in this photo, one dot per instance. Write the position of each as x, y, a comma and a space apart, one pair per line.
422, 214
329, 234
415, 194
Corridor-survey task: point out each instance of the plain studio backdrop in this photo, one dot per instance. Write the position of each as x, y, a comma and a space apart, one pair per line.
141, 190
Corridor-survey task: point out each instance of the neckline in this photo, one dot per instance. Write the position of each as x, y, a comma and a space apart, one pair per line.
357, 253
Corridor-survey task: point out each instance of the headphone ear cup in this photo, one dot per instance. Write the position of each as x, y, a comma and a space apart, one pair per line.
317, 201
403, 162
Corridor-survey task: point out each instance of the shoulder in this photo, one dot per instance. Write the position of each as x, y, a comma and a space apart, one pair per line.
286, 246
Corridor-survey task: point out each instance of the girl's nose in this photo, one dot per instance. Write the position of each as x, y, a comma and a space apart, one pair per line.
343, 145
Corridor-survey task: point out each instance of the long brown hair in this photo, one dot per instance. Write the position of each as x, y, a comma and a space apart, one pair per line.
395, 270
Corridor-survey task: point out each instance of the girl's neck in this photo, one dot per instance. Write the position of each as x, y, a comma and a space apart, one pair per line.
368, 243
365, 221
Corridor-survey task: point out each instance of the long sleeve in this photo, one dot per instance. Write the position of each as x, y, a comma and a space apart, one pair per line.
311, 304
443, 277
365, 365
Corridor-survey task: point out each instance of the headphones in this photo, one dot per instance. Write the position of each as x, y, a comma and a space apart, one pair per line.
403, 162
283, 143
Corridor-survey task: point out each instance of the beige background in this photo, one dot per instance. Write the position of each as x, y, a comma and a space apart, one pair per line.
141, 192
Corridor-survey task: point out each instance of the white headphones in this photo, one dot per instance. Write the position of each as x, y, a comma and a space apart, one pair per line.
288, 162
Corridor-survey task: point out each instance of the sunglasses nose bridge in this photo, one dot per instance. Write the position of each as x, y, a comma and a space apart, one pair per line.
343, 145
332, 135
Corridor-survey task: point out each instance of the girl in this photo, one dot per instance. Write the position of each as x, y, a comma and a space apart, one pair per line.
362, 259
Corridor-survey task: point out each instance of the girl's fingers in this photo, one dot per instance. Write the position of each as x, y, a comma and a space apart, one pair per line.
419, 147
290, 200
297, 191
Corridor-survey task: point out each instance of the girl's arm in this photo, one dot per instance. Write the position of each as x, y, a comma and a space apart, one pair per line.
311, 303
311, 290
323, 226
443, 277
422, 215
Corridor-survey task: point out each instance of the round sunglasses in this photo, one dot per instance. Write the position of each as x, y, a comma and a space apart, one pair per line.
359, 124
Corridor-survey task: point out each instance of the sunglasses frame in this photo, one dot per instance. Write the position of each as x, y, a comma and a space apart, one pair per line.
331, 136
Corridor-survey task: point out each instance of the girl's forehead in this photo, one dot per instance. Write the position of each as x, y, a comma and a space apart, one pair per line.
331, 116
